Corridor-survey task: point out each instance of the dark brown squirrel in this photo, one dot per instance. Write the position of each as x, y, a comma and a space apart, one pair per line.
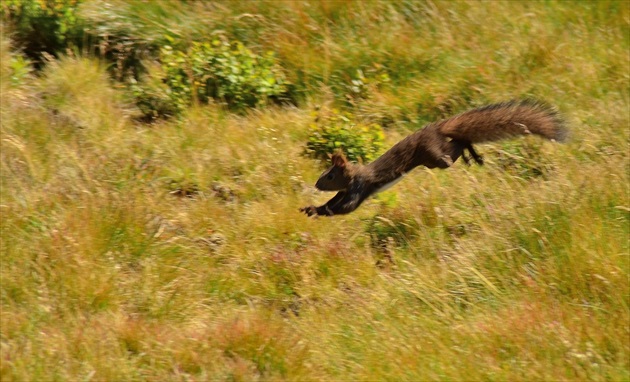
439, 144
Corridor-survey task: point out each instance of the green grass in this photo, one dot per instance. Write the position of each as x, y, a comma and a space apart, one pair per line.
175, 250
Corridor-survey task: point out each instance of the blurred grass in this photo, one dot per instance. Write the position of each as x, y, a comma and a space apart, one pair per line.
175, 250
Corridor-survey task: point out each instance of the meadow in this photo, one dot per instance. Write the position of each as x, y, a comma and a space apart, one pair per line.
143, 246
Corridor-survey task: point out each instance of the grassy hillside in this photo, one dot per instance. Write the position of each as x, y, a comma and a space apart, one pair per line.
174, 250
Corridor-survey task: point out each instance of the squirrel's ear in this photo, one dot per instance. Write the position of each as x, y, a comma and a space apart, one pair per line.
339, 160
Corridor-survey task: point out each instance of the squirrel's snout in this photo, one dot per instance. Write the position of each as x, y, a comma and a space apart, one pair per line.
320, 186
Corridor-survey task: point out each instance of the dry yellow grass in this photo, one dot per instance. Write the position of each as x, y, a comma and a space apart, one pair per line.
175, 251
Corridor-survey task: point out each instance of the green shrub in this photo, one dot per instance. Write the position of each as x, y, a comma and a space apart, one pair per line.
14, 67
229, 72
20, 68
42, 26
338, 131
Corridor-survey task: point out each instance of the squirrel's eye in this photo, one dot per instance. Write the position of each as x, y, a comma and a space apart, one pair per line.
330, 176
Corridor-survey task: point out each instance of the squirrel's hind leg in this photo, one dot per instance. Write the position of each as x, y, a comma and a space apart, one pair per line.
453, 150
456, 148
478, 158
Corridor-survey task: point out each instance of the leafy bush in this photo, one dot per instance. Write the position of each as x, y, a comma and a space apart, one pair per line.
14, 67
227, 72
20, 68
224, 71
338, 131
42, 25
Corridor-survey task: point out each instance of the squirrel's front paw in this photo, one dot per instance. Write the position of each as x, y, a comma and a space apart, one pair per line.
309, 210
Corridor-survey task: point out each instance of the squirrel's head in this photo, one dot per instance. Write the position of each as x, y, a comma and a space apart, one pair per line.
337, 177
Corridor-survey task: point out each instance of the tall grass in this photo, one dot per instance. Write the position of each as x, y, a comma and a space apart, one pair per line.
175, 251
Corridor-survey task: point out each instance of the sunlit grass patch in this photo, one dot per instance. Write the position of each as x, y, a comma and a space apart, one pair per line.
175, 250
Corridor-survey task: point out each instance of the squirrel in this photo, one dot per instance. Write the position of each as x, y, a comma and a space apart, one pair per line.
438, 144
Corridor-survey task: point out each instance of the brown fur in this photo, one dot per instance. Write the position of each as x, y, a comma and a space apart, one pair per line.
439, 144
505, 120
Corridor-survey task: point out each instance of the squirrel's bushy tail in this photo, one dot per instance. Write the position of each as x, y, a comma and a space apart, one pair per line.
505, 120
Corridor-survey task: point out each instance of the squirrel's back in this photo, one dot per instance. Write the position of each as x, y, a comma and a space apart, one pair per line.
505, 120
